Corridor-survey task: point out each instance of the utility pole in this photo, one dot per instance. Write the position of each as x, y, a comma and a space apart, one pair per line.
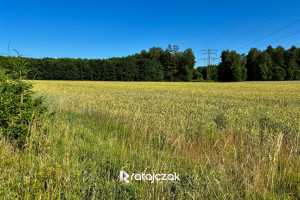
209, 58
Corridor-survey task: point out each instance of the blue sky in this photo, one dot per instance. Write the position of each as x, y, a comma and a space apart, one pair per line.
103, 29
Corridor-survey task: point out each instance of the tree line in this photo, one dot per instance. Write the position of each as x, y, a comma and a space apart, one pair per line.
272, 64
153, 65
170, 64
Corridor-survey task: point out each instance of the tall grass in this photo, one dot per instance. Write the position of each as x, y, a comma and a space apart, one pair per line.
226, 140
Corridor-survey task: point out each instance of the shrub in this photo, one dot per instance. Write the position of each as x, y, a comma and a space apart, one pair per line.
18, 108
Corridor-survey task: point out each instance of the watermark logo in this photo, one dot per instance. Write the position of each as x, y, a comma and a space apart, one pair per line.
124, 177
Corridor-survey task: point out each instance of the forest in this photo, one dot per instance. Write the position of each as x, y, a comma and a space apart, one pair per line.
156, 64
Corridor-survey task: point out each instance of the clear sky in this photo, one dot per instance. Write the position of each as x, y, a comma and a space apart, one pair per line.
103, 29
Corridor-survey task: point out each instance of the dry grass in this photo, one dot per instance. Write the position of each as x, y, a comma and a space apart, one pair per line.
227, 140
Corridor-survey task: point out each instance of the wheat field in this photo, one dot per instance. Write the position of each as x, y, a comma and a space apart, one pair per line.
226, 140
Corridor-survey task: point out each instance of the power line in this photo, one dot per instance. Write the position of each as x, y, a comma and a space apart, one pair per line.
209, 58
286, 36
235, 22
262, 33
259, 25
271, 34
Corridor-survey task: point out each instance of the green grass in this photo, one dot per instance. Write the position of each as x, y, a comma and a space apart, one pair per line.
82, 158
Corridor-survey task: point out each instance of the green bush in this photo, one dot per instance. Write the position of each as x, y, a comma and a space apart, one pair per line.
18, 108
198, 80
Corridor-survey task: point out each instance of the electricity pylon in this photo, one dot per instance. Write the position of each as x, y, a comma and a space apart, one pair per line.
209, 58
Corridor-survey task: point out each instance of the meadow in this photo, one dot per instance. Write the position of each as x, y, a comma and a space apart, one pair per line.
226, 140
